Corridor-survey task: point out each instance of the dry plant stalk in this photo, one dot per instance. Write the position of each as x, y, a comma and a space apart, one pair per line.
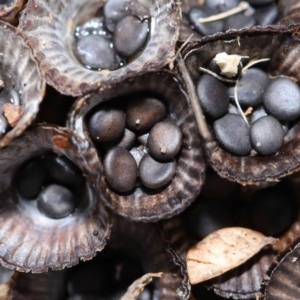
138, 286
198, 113
241, 7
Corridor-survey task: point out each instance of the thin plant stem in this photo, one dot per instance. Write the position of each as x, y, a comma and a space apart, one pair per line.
241, 7
217, 76
198, 113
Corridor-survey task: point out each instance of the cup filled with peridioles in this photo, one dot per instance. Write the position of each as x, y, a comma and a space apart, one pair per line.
51, 183
138, 141
114, 36
249, 111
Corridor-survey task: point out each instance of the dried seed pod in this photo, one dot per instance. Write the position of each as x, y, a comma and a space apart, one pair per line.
45, 242
133, 249
53, 36
9, 11
280, 47
20, 71
140, 203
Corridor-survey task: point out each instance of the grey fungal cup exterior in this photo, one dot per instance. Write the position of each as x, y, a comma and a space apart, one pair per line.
52, 39
141, 204
45, 243
137, 248
282, 275
20, 70
281, 48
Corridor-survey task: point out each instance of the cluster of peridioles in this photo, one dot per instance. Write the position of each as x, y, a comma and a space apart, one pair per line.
112, 161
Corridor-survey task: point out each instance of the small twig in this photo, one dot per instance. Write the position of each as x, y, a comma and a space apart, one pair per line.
241, 7
216, 75
171, 63
237, 101
137, 287
252, 63
198, 113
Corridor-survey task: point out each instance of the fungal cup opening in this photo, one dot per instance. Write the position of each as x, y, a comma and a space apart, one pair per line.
280, 47
50, 189
250, 111
138, 142
153, 25
111, 36
184, 167
48, 203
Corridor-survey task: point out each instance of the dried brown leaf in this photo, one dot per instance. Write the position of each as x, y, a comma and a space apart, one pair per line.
138, 286
248, 111
222, 251
61, 141
12, 113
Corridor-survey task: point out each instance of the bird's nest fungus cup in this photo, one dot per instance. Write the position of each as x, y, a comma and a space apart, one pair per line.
22, 84
50, 217
250, 126
85, 45
152, 176
133, 250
